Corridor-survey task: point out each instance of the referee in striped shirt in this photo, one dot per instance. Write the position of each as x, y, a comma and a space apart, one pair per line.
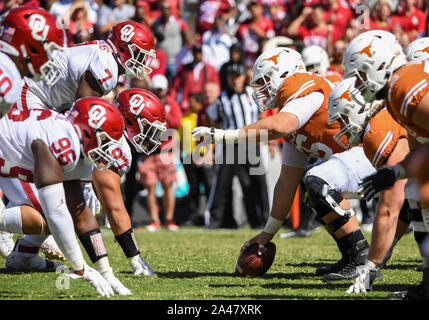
233, 109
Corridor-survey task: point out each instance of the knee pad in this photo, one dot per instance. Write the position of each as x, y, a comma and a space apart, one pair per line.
323, 199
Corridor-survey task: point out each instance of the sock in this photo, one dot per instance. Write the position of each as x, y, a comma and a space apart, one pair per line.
355, 245
128, 243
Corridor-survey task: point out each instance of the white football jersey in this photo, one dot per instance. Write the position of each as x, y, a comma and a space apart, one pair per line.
96, 57
20, 128
10, 83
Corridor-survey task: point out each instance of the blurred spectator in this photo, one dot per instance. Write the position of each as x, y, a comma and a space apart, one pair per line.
211, 93
59, 8
311, 27
339, 48
185, 55
80, 28
236, 55
412, 19
338, 14
216, 43
197, 163
235, 108
253, 32
159, 63
171, 32
9, 4
208, 10
161, 164
192, 77
154, 11
142, 13
110, 15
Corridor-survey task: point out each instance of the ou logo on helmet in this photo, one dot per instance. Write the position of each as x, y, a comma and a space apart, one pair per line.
127, 33
38, 26
137, 104
97, 116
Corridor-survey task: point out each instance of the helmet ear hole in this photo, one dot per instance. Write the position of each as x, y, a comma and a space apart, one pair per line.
284, 75
129, 122
87, 134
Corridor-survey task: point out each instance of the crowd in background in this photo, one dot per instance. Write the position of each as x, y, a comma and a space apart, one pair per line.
204, 48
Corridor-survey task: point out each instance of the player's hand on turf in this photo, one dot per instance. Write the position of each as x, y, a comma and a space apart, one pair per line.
96, 280
91, 199
262, 239
114, 282
384, 178
368, 273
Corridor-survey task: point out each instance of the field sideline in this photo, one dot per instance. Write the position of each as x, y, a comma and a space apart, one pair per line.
194, 264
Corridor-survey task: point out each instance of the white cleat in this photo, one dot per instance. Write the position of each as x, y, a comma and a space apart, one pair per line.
6, 243
140, 266
27, 259
51, 251
114, 282
29, 262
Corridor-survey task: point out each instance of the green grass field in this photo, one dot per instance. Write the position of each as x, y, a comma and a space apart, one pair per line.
194, 264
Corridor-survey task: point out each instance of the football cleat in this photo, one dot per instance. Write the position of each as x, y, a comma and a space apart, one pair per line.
412, 293
51, 251
29, 262
142, 267
6, 243
332, 268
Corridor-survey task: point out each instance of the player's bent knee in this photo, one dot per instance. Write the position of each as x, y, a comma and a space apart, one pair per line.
322, 199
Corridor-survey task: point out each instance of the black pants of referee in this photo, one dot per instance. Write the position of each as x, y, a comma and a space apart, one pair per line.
255, 194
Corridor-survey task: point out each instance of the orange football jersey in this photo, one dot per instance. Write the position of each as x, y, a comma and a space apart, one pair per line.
334, 77
381, 137
405, 90
316, 137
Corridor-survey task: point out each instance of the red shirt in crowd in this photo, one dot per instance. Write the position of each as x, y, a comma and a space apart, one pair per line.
191, 78
159, 63
208, 10
174, 116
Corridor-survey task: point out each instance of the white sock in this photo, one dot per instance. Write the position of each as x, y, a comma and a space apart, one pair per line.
12, 221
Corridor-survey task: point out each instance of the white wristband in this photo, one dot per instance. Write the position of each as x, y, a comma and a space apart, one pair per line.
230, 136
273, 225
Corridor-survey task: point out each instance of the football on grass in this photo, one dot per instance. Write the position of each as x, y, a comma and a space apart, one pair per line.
252, 265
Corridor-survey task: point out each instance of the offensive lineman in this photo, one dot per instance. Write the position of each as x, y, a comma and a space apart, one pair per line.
385, 74
302, 121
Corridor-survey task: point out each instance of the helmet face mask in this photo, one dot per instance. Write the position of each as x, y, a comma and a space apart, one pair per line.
347, 106
149, 138
145, 118
99, 157
134, 48
100, 127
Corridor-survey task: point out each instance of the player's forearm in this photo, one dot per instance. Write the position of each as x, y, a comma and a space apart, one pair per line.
270, 128
386, 218
283, 197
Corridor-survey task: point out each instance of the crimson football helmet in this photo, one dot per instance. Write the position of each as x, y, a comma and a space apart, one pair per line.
33, 34
145, 118
134, 48
100, 127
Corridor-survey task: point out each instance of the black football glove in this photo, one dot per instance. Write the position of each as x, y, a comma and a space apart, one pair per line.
384, 178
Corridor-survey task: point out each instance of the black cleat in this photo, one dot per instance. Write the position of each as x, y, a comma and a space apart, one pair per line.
335, 267
346, 273
412, 293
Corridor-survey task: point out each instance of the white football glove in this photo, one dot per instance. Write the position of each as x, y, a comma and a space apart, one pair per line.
91, 199
368, 273
215, 135
116, 285
96, 280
